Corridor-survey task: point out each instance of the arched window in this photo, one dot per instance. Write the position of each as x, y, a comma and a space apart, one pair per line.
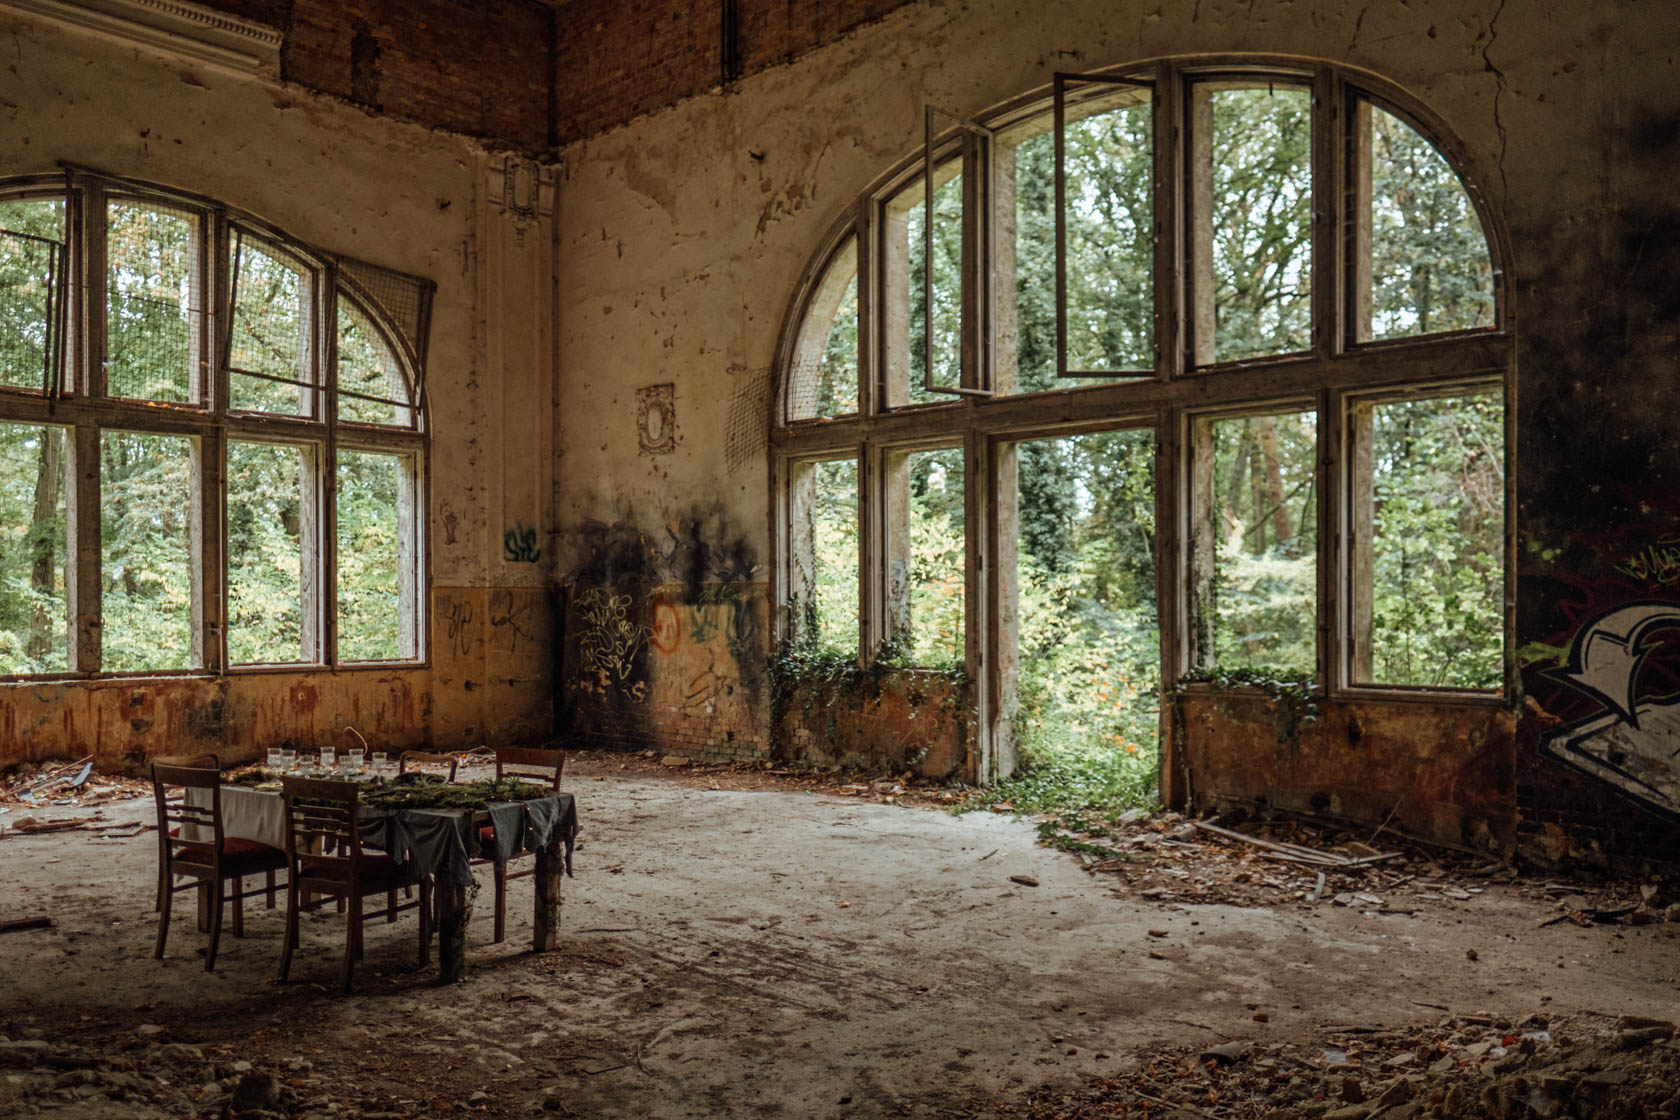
211, 443
1200, 367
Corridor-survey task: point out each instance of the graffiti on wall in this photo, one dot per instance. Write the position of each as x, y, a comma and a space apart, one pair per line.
1632, 741
509, 621
457, 618
519, 544
609, 641
1655, 563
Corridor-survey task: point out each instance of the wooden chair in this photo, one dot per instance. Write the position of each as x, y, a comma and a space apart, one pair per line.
541, 766
201, 761
324, 857
192, 844
424, 758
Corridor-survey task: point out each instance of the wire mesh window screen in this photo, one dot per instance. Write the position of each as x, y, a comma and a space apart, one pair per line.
32, 263
372, 385
824, 377
269, 353
405, 301
154, 312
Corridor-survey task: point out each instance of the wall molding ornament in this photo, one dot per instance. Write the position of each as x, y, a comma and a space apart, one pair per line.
181, 30
523, 190
656, 419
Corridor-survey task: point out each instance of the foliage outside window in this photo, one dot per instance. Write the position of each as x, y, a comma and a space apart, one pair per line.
1429, 507
196, 536
826, 606
1303, 214
824, 380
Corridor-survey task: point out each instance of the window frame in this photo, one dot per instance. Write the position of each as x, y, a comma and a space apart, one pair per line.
1335, 368
78, 404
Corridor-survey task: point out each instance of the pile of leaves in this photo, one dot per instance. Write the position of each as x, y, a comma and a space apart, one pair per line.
427, 791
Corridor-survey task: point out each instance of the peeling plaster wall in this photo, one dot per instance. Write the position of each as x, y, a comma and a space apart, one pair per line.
398, 196
682, 235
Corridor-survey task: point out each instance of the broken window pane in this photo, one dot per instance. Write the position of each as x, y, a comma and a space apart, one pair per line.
145, 511
1432, 507
31, 266
269, 521
375, 556
825, 554
373, 388
1254, 236
154, 313
927, 556
1260, 531
1430, 270
34, 620
824, 377
271, 329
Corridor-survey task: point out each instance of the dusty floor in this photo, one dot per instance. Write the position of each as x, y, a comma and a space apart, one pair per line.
774, 952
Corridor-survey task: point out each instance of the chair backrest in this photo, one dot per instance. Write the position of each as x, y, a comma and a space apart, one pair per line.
530, 764
195, 821
424, 758
321, 824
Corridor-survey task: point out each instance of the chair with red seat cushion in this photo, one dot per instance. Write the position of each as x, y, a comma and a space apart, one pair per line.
528, 764
325, 857
192, 844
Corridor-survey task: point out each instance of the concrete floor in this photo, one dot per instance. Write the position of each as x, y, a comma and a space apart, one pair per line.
783, 954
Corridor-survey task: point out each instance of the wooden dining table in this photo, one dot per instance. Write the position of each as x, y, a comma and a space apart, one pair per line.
442, 843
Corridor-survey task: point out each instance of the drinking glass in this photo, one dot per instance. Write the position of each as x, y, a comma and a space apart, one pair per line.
276, 758
288, 760
353, 760
380, 763
326, 758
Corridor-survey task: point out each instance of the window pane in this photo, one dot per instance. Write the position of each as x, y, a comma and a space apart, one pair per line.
825, 554
34, 618
1263, 523
1258, 197
1437, 514
146, 498
270, 330
946, 316
1108, 173
154, 304
268, 522
31, 236
928, 559
824, 378
375, 557
369, 367
1429, 265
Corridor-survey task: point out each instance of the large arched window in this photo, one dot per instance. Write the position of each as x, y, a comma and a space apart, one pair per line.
211, 439
1201, 362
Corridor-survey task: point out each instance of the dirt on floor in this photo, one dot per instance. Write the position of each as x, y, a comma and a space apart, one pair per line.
739, 942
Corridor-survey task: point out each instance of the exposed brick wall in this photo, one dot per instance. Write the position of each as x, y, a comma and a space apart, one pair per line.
618, 59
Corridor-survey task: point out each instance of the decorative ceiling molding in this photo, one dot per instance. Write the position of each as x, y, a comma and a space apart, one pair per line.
176, 28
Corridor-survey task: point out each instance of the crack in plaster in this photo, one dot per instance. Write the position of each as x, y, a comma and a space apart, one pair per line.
1358, 26
1498, 96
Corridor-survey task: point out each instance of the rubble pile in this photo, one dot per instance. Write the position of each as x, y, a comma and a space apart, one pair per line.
1468, 1067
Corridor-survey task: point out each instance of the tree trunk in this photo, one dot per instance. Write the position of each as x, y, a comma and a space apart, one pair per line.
1265, 436
49, 471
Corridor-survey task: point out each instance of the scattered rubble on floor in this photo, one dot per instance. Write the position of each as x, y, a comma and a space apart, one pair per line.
1169, 858
1464, 1067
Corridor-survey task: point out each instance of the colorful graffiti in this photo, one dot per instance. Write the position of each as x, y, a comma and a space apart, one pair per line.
1633, 741
608, 643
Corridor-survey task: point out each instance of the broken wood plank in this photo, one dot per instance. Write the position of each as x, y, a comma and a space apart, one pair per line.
17, 925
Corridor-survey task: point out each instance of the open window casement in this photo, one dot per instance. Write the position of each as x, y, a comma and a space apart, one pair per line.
956, 336
1105, 226
269, 349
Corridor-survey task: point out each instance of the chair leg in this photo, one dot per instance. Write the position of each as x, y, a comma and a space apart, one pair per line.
215, 925
352, 940
162, 883
500, 875
390, 906
165, 897
291, 928
239, 907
